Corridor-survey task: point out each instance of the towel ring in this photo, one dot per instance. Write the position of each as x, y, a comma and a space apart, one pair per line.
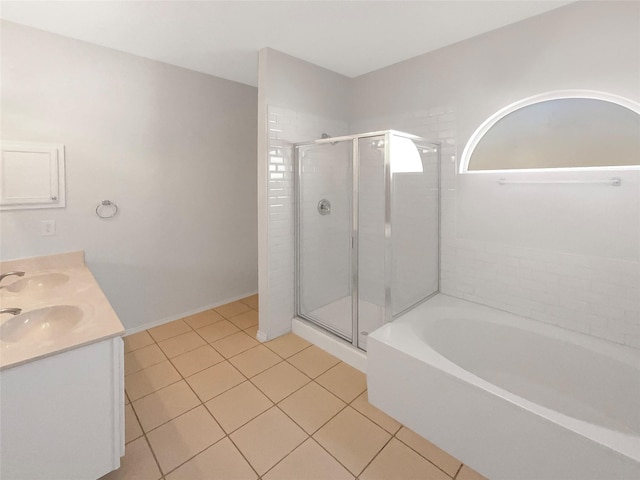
106, 203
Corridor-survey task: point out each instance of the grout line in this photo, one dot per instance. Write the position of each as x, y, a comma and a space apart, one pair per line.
146, 439
428, 460
243, 456
150, 365
226, 435
202, 403
273, 404
311, 435
312, 380
376, 455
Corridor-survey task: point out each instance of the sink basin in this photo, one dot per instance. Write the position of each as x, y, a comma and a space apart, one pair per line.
41, 282
41, 325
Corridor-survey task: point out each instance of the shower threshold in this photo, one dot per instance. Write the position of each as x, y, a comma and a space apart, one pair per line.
336, 318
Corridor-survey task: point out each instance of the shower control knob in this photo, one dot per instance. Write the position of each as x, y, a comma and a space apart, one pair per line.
324, 207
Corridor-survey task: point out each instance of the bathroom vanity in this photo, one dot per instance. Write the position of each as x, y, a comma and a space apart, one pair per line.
61, 373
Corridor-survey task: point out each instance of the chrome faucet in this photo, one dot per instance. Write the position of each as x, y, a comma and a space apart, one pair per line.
12, 311
19, 274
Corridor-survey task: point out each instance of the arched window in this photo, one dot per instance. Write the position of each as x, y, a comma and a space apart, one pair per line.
574, 129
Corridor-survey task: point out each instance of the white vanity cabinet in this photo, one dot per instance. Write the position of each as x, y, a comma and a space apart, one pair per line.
62, 416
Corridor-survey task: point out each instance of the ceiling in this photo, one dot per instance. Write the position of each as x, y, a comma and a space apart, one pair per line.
222, 38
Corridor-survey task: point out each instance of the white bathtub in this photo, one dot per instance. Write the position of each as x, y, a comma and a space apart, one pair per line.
510, 397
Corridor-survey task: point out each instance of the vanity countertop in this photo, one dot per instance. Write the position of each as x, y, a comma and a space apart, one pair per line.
70, 283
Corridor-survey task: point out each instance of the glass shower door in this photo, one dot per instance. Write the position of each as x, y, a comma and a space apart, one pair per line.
415, 206
324, 235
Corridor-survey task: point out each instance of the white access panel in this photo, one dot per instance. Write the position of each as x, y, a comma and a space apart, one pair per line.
31, 176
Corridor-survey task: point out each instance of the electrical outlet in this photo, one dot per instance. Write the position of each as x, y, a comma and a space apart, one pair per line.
47, 227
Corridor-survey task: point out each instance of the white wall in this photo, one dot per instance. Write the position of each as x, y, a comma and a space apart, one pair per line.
298, 101
564, 255
175, 149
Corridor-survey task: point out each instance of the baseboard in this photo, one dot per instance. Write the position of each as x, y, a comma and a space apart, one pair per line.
261, 336
157, 323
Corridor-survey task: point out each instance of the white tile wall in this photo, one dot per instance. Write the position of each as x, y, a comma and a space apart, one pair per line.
591, 294
286, 127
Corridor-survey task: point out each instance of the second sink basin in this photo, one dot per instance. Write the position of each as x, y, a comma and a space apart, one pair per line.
41, 325
41, 282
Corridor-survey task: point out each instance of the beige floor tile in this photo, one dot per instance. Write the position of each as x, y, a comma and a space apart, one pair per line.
398, 461
126, 399
218, 330
203, 319
221, 461
372, 413
287, 345
132, 429
184, 437
214, 380
245, 320
169, 330
180, 344
313, 361
429, 451
255, 360
136, 341
467, 473
308, 462
252, 301
150, 379
280, 381
267, 439
252, 331
352, 438
343, 381
196, 360
234, 344
138, 463
163, 405
312, 406
237, 406
142, 358
233, 308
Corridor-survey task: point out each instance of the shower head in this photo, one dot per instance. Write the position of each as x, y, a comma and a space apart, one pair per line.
326, 135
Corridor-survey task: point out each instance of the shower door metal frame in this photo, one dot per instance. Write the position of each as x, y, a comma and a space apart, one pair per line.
297, 231
355, 182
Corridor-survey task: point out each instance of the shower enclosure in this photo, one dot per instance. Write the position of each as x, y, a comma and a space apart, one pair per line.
367, 230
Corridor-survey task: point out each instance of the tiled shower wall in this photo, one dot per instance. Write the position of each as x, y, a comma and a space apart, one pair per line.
287, 127
595, 295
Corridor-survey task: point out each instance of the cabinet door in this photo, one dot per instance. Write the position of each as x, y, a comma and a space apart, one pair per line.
62, 415
31, 176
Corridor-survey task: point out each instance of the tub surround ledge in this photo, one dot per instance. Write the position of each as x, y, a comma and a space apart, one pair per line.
508, 396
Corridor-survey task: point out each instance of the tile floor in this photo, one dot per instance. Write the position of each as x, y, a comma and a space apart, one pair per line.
205, 400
